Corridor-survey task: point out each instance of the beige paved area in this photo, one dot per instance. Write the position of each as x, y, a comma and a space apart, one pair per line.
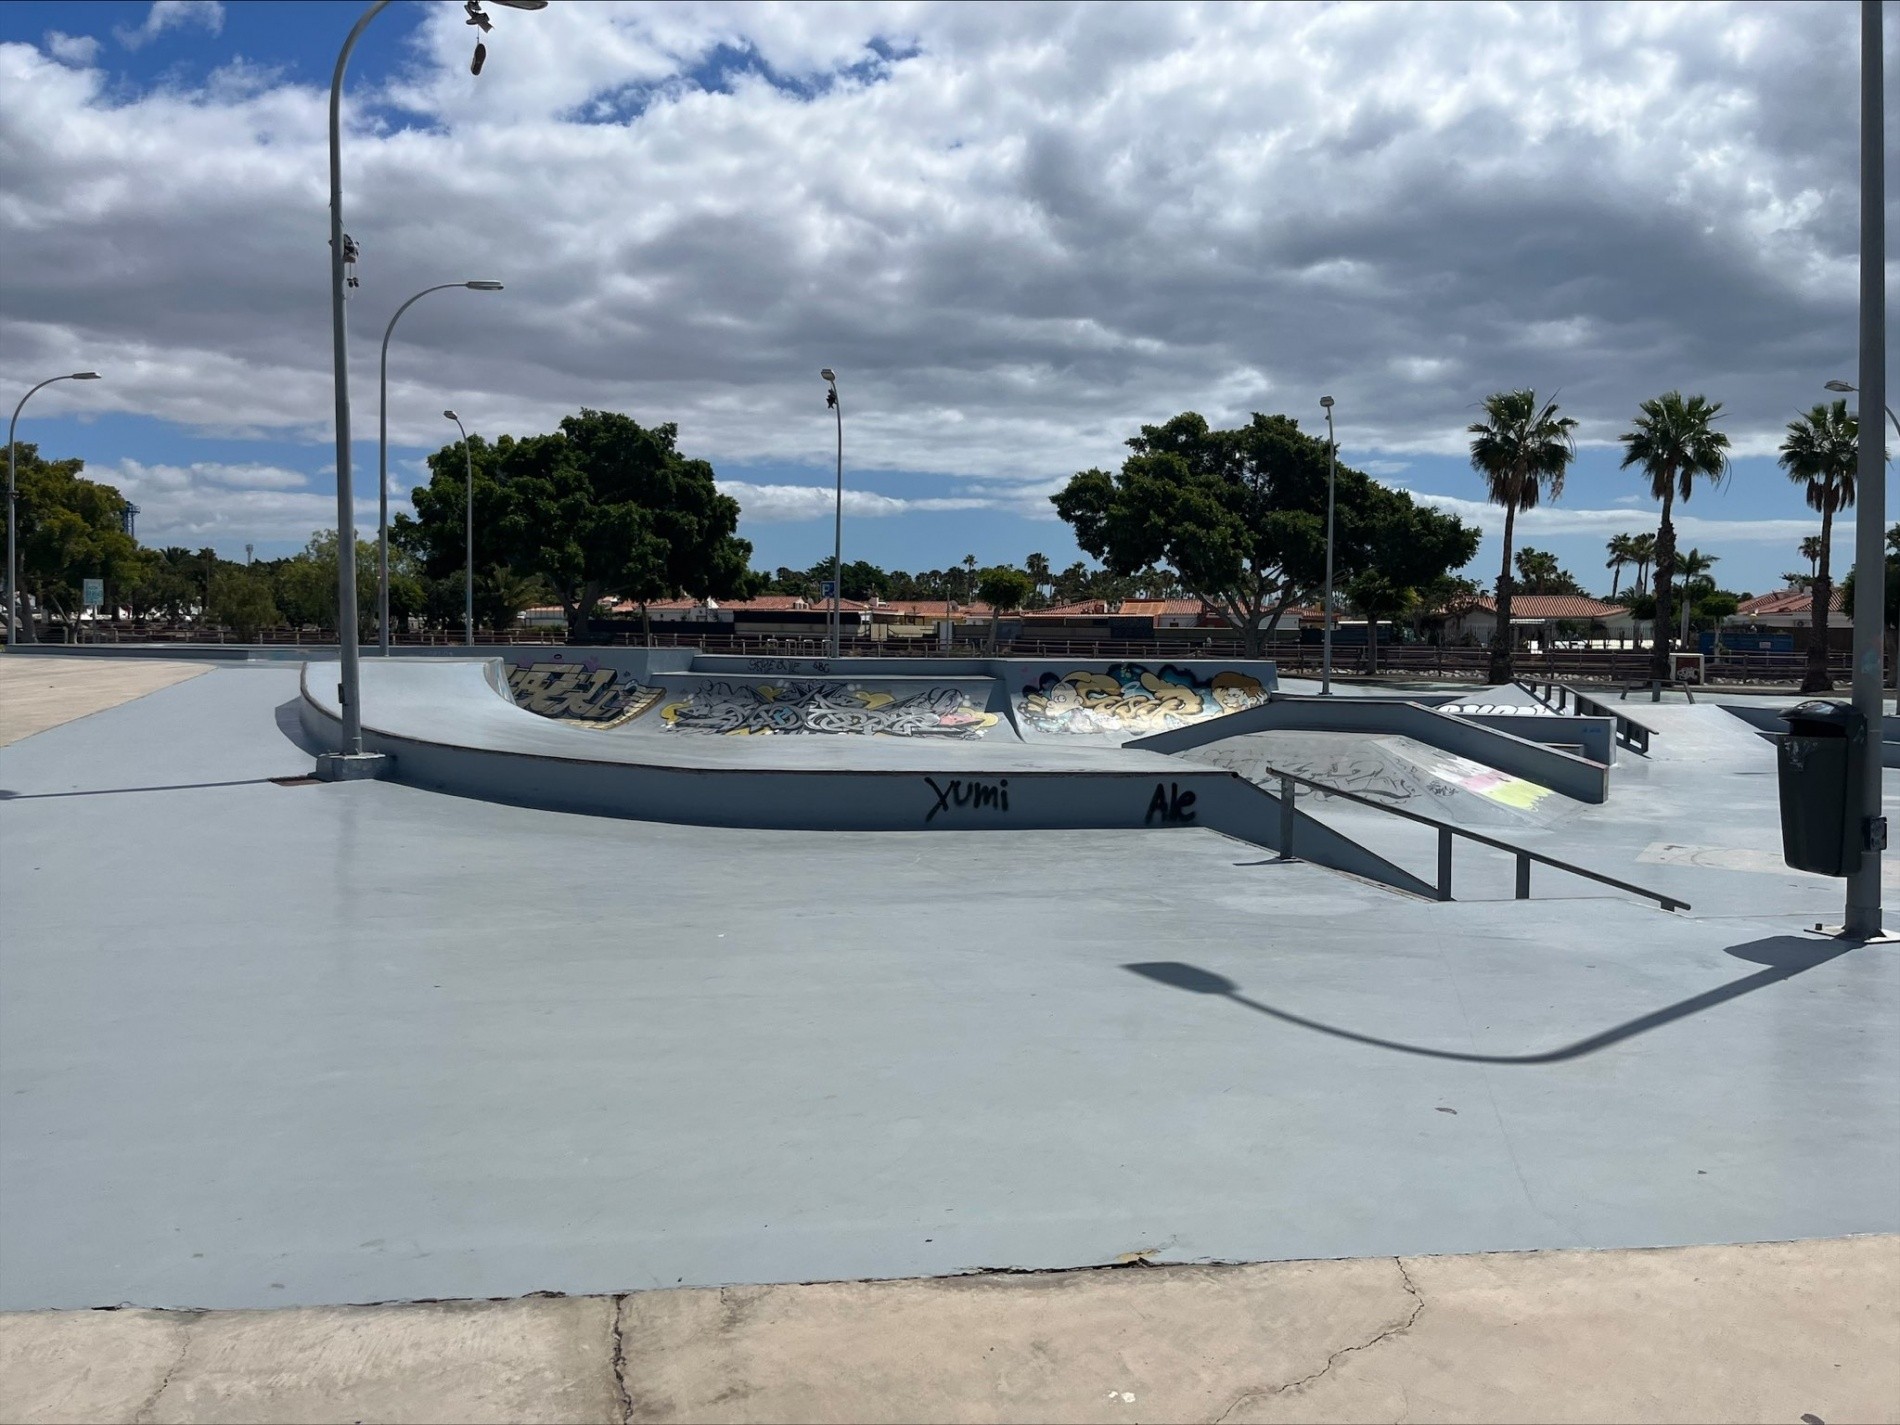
1806, 1331
38, 693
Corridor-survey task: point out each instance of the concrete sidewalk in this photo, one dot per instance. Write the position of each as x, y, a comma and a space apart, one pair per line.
1804, 1331
38, 693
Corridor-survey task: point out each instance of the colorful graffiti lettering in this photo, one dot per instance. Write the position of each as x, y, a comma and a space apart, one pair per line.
1131, 700
767, 709
584, 693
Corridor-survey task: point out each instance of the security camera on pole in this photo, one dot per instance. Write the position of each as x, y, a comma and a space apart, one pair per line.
837, 545
349, 761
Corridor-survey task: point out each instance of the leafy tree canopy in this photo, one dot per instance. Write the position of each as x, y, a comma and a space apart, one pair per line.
1240, 517
602, 507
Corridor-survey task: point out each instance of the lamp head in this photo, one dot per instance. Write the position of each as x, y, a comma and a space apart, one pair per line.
483, 286
1841, 386
450, 416
85, 376
829, 374
523, 4
1326, 401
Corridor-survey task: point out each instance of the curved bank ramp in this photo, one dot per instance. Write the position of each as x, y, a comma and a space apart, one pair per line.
456, 726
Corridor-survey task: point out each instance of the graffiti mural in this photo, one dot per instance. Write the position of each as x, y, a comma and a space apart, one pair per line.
793, 707
583, 693
1132, 700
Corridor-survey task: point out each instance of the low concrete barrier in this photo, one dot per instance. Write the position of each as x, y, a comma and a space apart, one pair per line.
1580, 778
451, 727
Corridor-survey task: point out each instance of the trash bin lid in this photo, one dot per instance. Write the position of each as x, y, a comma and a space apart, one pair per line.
1823, 718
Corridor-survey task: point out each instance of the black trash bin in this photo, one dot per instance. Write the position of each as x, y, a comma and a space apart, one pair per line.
1821, 763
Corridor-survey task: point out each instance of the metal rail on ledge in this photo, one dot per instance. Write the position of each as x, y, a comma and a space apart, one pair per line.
1561, 697
1446, 831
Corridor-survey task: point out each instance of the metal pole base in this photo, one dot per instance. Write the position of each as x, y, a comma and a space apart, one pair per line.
353, 766
1839, 932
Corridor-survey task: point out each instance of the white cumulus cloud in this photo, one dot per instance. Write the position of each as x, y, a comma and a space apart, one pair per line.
170, 15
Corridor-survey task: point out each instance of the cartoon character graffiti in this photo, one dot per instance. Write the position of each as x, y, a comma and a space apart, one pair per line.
763, 709
1131, 700
583, 693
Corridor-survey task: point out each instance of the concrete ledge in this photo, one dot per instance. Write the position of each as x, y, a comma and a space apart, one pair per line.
1769, 1332
1572, 776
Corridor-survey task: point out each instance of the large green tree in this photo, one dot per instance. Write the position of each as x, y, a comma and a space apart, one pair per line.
1522, 447
1239, 517
1821, 453
602, 507
1674, 442
69, 529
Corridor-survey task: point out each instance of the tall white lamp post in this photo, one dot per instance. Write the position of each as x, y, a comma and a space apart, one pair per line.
468, 535
1326, 613
13, 499
342, 257
382, 460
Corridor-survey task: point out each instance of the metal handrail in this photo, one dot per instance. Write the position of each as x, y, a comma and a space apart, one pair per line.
1445, 833
1629, 732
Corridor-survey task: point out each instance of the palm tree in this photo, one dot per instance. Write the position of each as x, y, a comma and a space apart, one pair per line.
1522, 449
1811, 551
1694, 568
1821, 453
1036, 566
1620, 554
1674, 441
1642, 554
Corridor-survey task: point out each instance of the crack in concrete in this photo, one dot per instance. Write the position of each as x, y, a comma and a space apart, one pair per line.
622, 1395
185, 1321
1397, 1328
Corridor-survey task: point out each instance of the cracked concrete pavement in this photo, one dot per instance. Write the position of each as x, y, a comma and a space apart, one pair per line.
1767, 1331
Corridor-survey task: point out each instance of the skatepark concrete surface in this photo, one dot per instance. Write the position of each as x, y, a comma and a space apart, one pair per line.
38, 693
1768, 1332
267, 1042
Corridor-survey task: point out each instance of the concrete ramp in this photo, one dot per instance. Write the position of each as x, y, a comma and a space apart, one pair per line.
590, 692
1113, 703
1398, 771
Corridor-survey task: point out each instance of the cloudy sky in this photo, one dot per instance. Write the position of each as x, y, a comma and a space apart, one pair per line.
1017, 231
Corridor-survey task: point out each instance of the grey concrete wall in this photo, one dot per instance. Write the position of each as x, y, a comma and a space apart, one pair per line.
960, 795
1766, 717
1576, 777
1592, 737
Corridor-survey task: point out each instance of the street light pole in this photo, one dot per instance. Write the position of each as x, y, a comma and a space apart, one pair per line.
468, 536
1863, 920
382, 461
837, 537
349, 685
13, 500
1326, 613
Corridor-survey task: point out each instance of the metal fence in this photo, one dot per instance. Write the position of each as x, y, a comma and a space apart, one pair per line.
1297, 659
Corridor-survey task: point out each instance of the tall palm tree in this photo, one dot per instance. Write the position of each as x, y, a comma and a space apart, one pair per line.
1036, 566
1642, 554
1821, 453
1621, 552
1811, 551
1522, 449
1674, 441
